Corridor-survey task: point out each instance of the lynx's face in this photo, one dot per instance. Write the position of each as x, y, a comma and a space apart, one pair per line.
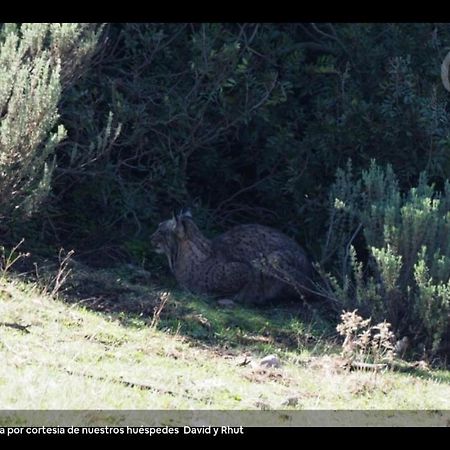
170, 232
164, 238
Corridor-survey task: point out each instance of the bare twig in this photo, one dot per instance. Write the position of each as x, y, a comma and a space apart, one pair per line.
158, 309
17, 326
347, 248
7, 261
246, 188
368, 366
63, 271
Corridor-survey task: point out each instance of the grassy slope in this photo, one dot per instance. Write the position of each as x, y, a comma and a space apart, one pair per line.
103, 352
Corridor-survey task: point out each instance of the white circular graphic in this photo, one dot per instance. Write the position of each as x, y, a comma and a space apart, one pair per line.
445, 72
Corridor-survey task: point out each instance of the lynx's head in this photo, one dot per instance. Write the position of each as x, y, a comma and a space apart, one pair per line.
171, 233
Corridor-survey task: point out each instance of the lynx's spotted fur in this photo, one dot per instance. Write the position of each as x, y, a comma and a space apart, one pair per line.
251, 263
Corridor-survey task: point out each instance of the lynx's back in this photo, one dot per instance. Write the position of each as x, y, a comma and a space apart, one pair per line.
251, 240
278, 259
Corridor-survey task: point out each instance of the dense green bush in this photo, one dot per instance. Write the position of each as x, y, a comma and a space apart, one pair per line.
400, 268
176, 97
248, 122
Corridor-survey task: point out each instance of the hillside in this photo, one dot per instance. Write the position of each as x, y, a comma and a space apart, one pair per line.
114, 341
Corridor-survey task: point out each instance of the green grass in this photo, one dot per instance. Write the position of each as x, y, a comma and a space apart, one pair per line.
104, 351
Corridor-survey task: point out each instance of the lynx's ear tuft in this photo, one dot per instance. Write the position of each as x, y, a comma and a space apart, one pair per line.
186, 212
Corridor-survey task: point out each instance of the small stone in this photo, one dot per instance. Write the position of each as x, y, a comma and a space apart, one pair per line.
270, 361
421, 365
226, 303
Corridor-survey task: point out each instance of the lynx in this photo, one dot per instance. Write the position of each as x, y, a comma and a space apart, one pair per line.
250, 263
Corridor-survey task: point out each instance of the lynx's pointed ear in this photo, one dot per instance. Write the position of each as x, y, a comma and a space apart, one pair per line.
178, 227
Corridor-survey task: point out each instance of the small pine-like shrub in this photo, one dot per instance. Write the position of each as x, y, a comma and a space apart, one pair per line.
392, 252
36, 60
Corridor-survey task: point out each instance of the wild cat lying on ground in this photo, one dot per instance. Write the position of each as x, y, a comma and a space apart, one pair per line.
250, 263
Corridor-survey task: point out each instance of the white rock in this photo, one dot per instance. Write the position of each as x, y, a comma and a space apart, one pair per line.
226, 303
270, 361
